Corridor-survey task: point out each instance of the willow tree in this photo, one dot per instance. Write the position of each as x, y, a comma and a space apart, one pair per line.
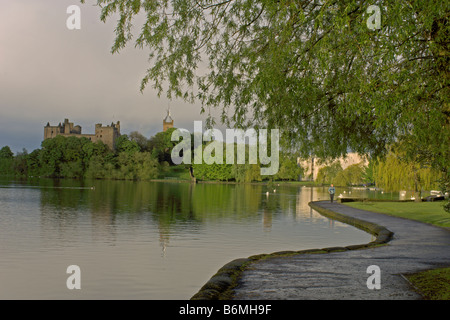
396, 172
315, 69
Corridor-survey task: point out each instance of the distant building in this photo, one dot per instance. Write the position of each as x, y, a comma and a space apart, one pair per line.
107, 135
312, 166
167, 121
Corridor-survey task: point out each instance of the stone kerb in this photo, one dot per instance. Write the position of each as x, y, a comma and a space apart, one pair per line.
220, 286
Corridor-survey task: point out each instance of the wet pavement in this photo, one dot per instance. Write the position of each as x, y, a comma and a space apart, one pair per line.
414, 247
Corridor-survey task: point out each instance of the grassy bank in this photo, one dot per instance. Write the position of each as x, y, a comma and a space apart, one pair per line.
181, 173
432, 284
428, 212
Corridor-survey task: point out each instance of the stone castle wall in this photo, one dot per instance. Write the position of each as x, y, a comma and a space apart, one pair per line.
106, 134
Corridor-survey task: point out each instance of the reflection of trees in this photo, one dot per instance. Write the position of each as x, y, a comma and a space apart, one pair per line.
171, 207
62, 194
164, 236
267, 220
304, 196
62, 203
215, 201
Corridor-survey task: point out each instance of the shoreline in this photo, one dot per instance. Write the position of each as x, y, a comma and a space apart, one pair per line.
221, 285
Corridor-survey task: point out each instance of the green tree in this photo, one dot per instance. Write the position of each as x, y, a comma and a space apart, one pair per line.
328, 173
135, 166
369, 172
33, 164
6, 161
51, 156
396, 172
289, 168
311, 68
95, 149
146, 166
96, 168
142, 141
65, 157
72, 169
98, 158
124, 144
161, 146
300, 64
352, 175
215, 171
20, 163
246, 172
6, 153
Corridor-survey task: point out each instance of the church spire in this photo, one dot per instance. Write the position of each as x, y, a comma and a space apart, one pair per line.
168, 117
167, 121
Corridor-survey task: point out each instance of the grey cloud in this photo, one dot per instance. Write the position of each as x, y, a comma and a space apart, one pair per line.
48, 73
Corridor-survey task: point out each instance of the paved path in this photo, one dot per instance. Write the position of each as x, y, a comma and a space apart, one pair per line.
343, 275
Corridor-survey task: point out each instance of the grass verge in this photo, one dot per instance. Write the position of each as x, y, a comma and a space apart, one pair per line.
428, 212
432, 284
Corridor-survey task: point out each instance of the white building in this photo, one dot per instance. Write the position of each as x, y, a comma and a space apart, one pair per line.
313, 165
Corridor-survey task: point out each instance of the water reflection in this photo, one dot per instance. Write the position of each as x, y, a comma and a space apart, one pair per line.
168, 206
142, 239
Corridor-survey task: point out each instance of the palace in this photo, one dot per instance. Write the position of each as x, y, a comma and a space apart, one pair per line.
106, 134
313, 165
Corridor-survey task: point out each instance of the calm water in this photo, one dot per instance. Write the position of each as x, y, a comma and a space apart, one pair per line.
149, 240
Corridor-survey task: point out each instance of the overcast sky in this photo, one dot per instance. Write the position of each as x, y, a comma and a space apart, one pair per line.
49, 73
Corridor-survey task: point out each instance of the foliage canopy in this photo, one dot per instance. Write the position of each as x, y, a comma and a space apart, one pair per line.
311, 67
